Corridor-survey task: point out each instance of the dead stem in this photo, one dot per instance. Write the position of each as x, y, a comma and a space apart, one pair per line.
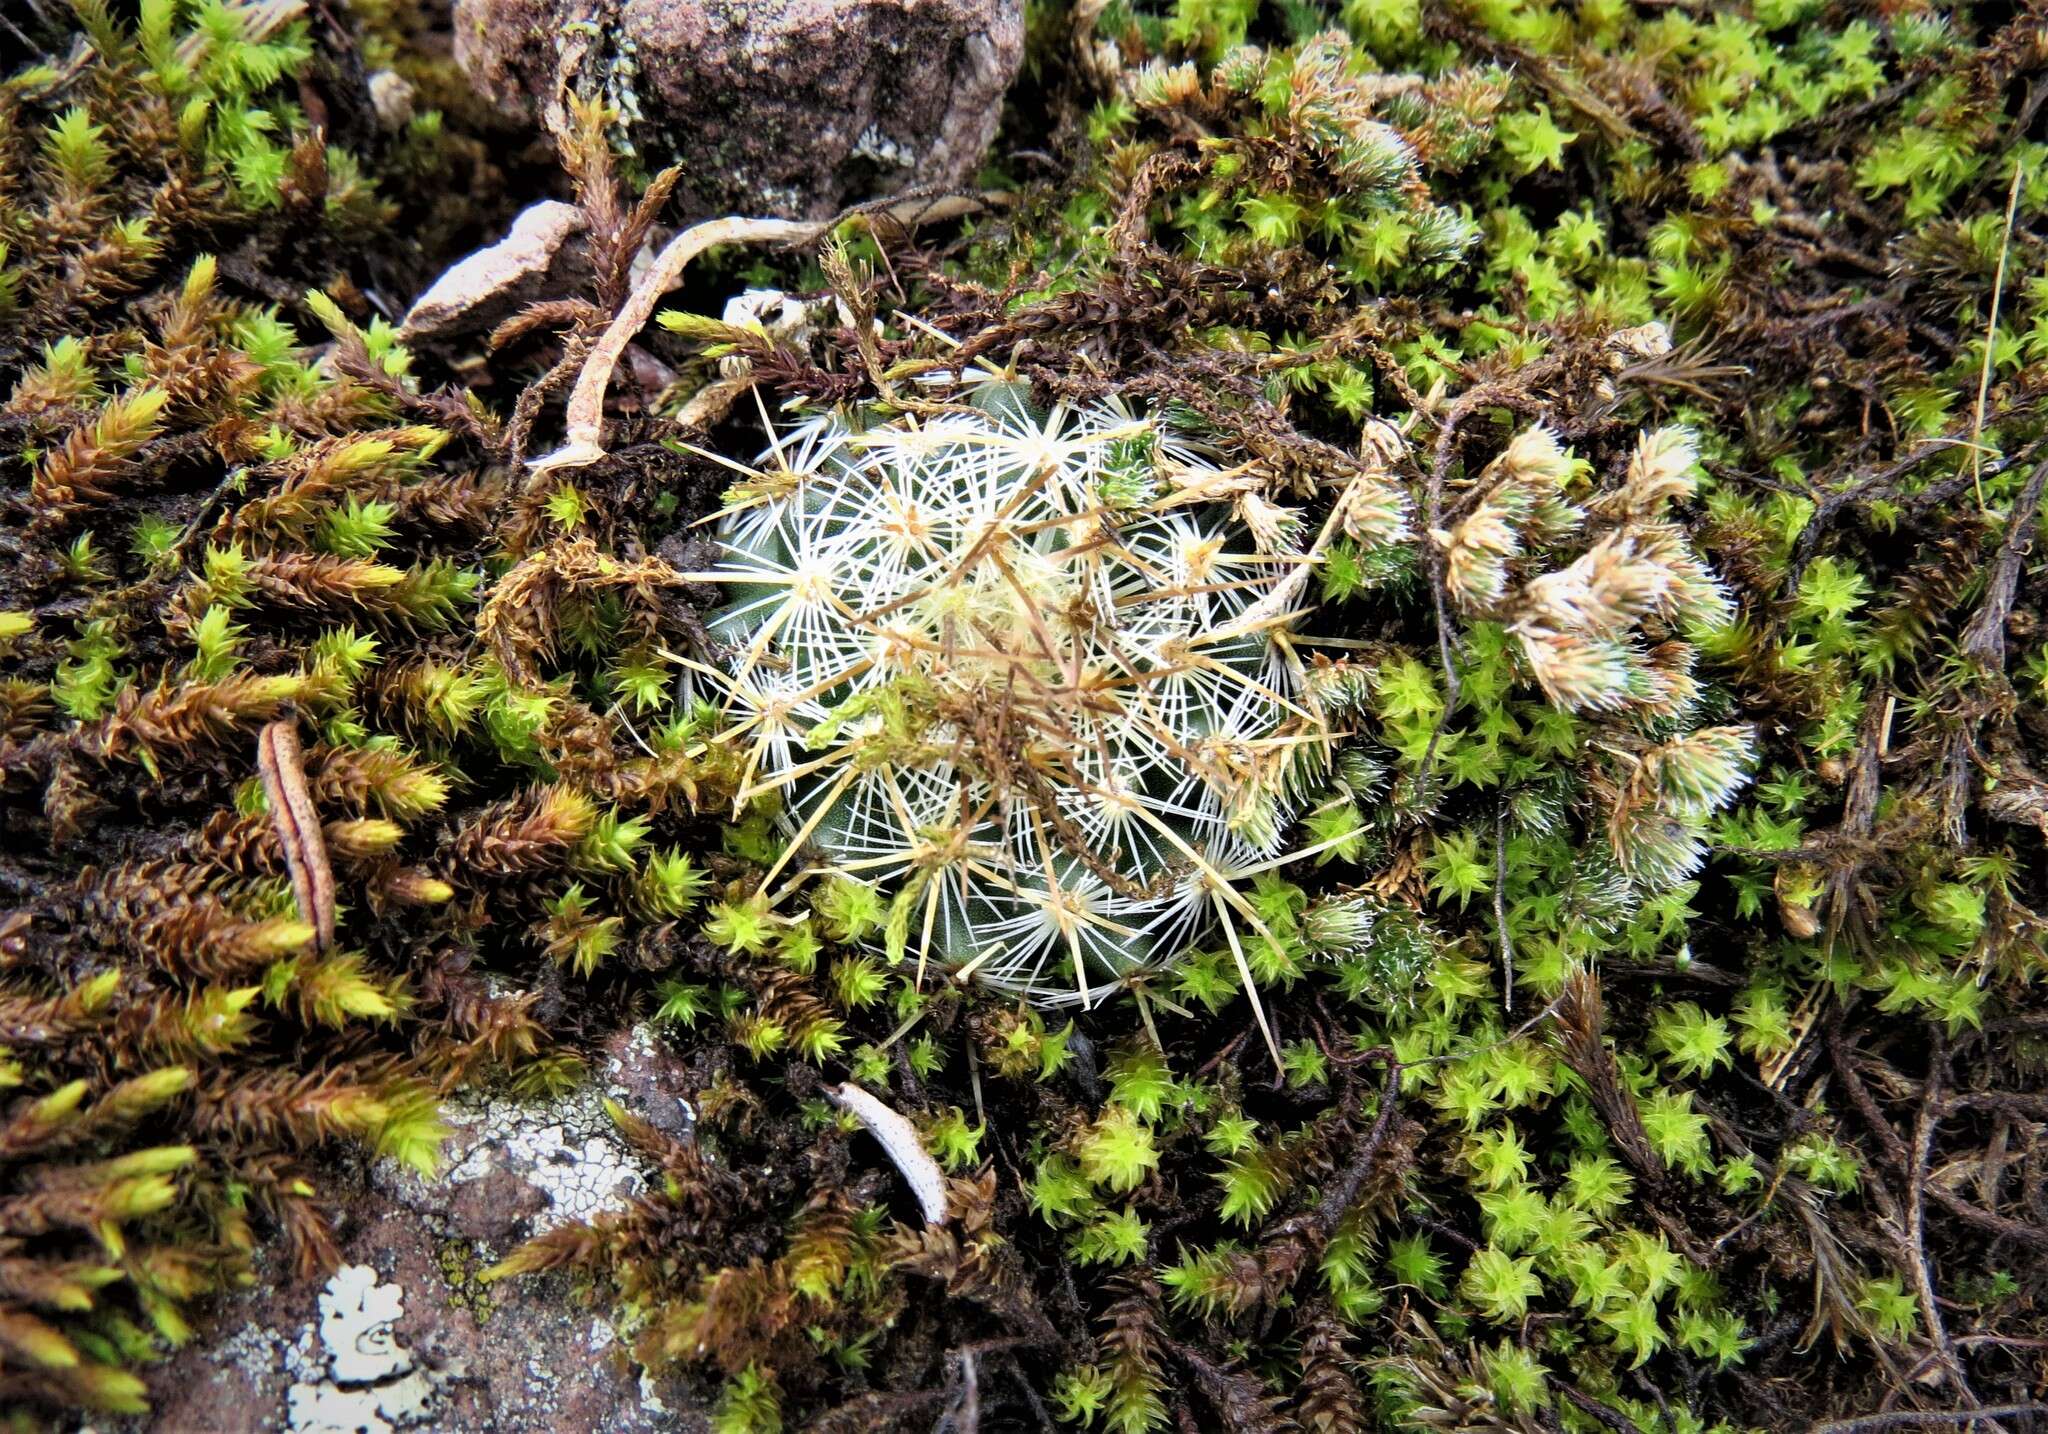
583, 440
282, 767
1924, 1418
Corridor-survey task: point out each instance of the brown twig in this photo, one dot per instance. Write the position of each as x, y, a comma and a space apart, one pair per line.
1883, 484
1345, 1189
1984, 637
2032, 1236
1601, 1413
2032, 1106
1915, 1233
584, 439
1890, 1147
1909, 1418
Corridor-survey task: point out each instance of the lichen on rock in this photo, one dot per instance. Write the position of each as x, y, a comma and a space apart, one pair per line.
792, 108
567, 1150
361, 1379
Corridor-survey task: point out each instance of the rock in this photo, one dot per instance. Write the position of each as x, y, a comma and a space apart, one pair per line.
406, 1335
494, 1206
791, 108
642, 1073
567, 1151
533, 261
392, 96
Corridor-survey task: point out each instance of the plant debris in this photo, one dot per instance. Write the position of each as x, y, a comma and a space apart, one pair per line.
282, 766
1567, 482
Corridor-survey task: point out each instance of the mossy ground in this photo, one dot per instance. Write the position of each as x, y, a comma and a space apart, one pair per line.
1598, 1109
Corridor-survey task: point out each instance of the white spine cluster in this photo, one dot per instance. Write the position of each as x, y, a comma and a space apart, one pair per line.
1605, 634
1012, 669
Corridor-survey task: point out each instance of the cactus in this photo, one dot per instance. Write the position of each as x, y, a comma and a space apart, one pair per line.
1022, 671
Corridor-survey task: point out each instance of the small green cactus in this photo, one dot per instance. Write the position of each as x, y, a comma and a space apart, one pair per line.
1020, 671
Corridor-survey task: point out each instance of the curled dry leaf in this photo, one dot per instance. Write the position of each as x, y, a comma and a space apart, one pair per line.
899, 1139
282, 766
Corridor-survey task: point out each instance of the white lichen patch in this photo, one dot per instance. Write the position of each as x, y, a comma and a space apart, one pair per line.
650, 1395
879, 147
371, 1409
568, 1149
354, 1377
356, 1316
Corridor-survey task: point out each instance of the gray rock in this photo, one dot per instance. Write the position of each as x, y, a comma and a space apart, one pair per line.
393, 97
405, 1335
535, 260
790, 108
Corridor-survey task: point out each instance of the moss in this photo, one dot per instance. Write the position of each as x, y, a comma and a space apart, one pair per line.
460, 1268
1659, 394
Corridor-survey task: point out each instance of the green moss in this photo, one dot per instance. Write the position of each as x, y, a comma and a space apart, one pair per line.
1660, 389
460, 1267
